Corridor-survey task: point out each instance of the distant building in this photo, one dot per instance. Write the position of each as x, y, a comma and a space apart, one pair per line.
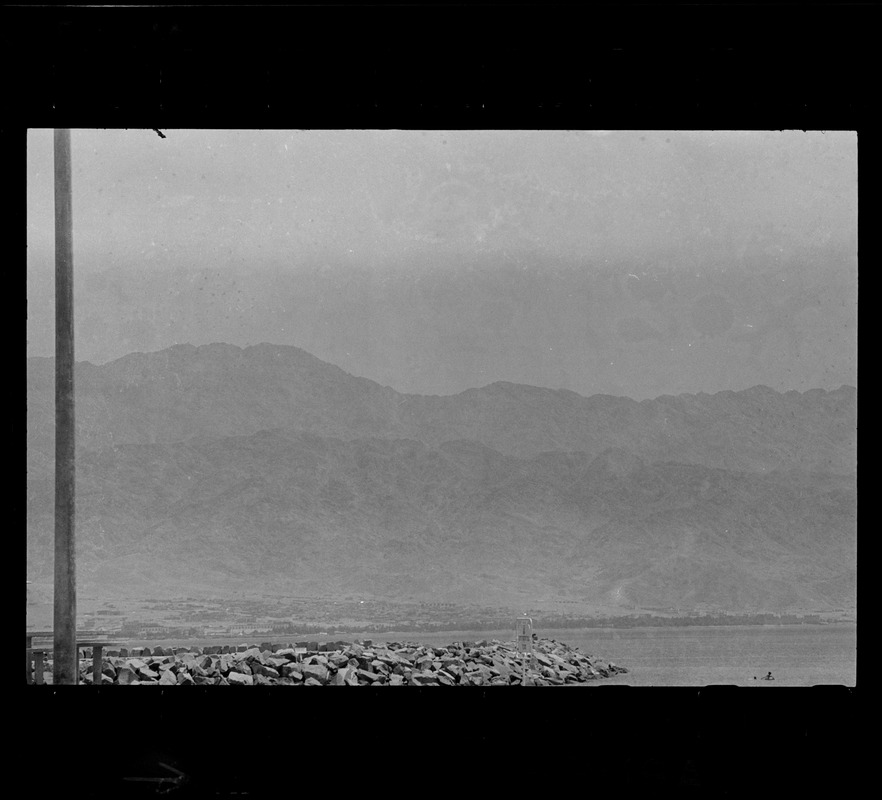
247, 630
153, 630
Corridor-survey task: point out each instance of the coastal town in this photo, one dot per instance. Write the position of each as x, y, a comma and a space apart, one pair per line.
198, 618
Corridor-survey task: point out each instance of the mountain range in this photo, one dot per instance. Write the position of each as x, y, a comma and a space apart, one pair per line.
217, 466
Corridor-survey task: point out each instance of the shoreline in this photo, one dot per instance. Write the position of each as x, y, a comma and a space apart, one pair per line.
454, 635
481, 663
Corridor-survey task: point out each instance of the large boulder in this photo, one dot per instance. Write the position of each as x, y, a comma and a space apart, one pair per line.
264, 671
126, 675
367, 676
423, 679
315, 672
251, 654
341, 678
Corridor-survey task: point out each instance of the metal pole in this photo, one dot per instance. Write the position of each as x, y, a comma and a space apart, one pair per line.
97, 664
65, 666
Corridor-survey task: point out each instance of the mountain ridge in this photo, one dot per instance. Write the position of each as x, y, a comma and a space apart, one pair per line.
221, 465
223, 389
264, 346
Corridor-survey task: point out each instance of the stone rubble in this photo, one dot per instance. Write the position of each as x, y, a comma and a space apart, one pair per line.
484, 663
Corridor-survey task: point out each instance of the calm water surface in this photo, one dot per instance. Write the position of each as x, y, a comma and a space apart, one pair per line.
797, 655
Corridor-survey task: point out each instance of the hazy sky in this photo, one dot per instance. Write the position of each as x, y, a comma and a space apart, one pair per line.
634, 263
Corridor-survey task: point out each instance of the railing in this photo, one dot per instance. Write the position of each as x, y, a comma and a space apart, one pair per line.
84, 639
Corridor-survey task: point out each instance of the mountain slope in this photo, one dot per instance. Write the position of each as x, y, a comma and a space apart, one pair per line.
398, 518
222, 390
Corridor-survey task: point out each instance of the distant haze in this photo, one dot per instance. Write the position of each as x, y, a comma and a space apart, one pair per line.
218, 468
633, 263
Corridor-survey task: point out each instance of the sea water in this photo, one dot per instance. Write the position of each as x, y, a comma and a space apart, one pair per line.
796, 655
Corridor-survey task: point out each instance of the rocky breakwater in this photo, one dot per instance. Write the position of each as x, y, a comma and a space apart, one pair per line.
358, 664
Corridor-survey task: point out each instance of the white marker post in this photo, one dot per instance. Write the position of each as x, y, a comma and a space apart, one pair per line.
524, 628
